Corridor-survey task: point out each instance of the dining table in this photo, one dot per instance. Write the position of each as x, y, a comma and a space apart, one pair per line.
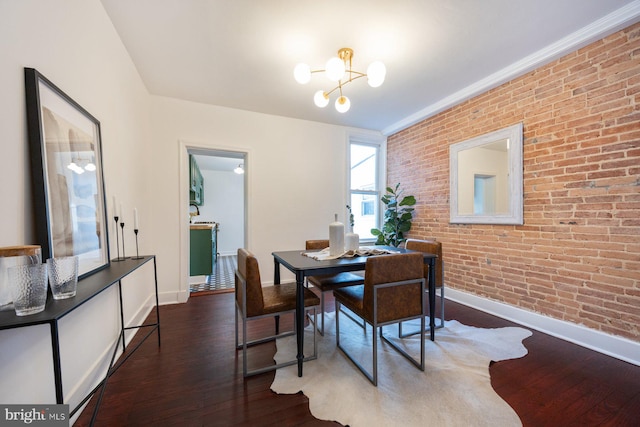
303, 266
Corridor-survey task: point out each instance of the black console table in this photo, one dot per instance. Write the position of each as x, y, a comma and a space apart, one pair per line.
88, 288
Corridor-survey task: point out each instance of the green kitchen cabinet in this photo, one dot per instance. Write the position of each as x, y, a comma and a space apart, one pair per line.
203, 249
196, 183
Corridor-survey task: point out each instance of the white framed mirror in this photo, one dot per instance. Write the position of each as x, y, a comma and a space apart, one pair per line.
486, 178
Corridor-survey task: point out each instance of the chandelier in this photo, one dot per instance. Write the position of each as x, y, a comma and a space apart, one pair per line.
79, 165
338, 69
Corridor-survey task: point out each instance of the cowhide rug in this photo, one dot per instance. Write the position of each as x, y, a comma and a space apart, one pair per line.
454, 389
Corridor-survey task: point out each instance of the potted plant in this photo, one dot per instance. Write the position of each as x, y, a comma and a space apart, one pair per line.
397, 217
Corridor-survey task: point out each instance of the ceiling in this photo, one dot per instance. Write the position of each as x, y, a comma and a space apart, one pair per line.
241, 53
208, 160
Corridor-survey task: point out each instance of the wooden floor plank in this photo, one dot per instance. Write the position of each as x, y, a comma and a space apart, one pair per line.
195, 379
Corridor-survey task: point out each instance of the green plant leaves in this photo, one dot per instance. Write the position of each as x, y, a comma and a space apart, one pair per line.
397, 217
408, 201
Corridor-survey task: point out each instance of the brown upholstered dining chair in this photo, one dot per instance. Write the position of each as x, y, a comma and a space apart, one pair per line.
393, 291
329, 282
253, 301
430, 246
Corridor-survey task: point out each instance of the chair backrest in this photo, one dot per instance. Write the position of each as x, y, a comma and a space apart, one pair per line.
316, 244
396, 302
429, 247
249, 272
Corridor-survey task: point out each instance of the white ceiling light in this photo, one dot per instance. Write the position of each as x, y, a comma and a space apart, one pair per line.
321, 99
343, 104
338, 69
74, 167
80, 165
302, 73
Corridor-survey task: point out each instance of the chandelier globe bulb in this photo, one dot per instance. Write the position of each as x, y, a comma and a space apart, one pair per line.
302, 73
343, 104
376, 72
321, 99
335, 69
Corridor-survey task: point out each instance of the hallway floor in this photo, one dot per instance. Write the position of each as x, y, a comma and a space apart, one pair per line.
222, 278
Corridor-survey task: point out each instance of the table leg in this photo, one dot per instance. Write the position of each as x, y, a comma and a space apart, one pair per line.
155, 278
300, 319
276, 281
432, 297
276, 272
57, 369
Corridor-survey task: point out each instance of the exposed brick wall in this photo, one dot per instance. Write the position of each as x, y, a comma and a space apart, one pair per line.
577, 256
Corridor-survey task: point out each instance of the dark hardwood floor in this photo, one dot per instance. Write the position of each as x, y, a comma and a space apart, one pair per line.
195, 378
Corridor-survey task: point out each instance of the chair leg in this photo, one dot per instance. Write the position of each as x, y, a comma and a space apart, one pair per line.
236, 326
246, 344
420, 364
361, 322
338, 323
320, 328
315, 342
438, 326
441, 308
373, 378
322, 312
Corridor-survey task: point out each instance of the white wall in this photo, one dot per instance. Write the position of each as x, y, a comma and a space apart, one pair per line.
224, 204
482, 161
74, 45
296, 174
295, 179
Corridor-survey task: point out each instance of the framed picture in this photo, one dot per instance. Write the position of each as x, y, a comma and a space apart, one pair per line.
68, 183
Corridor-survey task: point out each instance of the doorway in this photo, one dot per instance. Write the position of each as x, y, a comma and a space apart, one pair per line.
223, 208
484, 194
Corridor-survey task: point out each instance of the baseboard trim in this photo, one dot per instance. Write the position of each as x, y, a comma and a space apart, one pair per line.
173, 297
611, 345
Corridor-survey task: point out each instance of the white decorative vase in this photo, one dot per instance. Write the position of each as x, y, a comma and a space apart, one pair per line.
336, 237
351, 240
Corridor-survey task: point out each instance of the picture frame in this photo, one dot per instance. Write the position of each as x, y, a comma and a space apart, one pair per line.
67, 176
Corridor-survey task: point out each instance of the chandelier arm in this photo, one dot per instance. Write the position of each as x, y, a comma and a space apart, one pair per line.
360, 75
339, 86
334, 89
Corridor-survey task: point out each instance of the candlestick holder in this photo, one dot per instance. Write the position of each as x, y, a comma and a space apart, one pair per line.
122, 228
135, 231
117, 240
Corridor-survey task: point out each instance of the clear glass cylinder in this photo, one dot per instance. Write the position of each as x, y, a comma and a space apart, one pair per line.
11, 256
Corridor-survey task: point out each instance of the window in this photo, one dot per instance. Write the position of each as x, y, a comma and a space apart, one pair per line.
364, 186
368, 207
